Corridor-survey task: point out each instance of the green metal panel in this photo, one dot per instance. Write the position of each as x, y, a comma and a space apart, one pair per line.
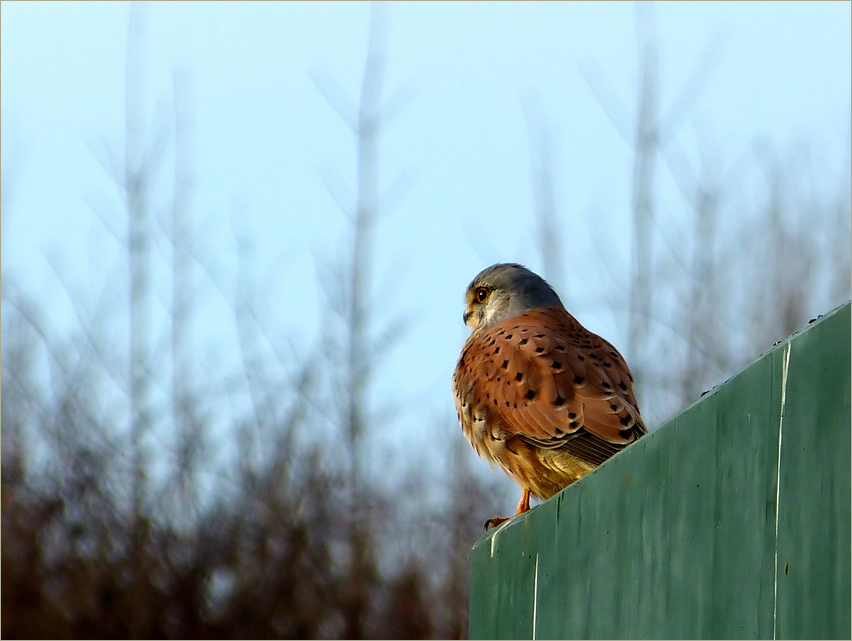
814, 516
676, 536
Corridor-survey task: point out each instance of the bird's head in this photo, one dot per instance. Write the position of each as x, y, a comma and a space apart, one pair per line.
503, 291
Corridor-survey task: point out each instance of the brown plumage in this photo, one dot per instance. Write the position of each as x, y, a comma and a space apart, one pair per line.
536, 392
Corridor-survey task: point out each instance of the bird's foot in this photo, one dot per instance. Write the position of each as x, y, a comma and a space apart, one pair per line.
497, 520
523, 506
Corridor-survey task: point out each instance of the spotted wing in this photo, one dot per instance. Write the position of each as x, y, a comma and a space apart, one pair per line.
544, 377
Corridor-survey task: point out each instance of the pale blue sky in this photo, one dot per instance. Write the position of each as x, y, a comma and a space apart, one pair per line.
264, 134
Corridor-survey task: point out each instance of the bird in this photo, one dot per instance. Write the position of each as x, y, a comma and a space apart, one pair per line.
536, 393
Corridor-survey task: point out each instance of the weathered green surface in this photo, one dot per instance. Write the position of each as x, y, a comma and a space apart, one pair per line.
814, 515
676, 536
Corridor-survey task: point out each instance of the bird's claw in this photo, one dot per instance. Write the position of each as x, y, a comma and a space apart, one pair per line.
497, 520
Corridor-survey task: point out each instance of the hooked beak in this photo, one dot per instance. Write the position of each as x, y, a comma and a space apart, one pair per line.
467, 316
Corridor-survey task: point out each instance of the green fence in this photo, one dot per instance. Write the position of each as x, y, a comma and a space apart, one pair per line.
732, 520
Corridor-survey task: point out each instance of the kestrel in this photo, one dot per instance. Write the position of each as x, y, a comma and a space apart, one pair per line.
536, 392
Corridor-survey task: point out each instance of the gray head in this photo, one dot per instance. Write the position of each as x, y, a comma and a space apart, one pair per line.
503, 291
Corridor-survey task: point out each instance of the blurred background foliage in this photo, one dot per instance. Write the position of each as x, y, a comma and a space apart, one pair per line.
127, 511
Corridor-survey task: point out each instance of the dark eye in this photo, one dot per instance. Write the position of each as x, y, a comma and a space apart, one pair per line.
481, 294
